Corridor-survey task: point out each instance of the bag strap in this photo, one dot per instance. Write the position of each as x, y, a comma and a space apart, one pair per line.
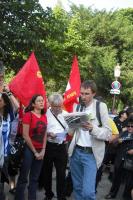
79, 108
58, 120
98, 115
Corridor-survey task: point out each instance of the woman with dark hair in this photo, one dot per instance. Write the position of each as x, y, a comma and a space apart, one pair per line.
121, 121
34, 134
6, 117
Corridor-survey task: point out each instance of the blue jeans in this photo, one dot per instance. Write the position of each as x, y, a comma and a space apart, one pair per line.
30, 164
83, 171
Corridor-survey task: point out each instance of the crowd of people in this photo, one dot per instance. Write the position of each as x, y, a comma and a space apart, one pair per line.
93, 147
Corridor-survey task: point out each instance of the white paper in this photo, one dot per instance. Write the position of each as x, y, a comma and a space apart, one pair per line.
76, 119
60, 137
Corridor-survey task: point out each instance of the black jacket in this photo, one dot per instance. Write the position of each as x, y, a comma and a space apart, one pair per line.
122, 148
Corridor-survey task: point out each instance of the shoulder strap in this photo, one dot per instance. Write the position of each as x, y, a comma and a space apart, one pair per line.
98, 113
58, 120
79, 108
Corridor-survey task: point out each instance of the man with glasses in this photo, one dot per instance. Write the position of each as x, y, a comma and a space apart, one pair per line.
56, 153
89, 144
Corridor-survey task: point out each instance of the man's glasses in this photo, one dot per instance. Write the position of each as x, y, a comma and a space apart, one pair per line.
130, 126
86, 94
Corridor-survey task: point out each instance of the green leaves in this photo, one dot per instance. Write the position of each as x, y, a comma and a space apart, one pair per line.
100, 39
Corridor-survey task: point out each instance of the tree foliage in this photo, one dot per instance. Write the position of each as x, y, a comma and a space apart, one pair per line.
100, 39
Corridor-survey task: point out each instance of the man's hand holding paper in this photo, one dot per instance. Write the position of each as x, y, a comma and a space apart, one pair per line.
87, 126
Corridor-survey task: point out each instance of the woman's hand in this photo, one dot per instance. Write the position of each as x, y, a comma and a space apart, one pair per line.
42, 153
6, 88
37, 155
40, 156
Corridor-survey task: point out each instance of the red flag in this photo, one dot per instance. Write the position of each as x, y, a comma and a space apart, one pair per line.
28, 81
73, 87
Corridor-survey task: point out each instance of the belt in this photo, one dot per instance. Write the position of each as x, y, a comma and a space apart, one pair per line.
85, 149
56, 144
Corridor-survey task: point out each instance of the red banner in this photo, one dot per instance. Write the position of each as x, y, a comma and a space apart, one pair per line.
28, 81
73, 87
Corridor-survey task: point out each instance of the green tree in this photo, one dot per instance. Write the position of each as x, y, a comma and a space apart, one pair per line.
22, 31
100, 39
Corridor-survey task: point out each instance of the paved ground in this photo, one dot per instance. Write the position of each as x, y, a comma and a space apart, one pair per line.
103, 189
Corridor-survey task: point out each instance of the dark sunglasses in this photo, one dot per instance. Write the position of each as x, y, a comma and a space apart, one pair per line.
130, 126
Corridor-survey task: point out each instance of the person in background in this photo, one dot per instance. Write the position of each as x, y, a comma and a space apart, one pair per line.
121, 121
129, 111
34, 133
15, 106
87, 148
115, 132
125, 147
56, 153
110, 152
4, 88
6, 117
129, 185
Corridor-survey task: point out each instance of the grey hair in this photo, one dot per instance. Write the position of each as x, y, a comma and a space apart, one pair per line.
55, 98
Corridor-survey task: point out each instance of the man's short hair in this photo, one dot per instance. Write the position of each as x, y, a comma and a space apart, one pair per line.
89, 84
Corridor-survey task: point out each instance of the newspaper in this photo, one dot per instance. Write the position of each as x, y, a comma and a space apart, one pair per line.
76, 119
60, 137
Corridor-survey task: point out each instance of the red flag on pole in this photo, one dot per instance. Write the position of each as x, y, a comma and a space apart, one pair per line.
73, 87
28, 81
